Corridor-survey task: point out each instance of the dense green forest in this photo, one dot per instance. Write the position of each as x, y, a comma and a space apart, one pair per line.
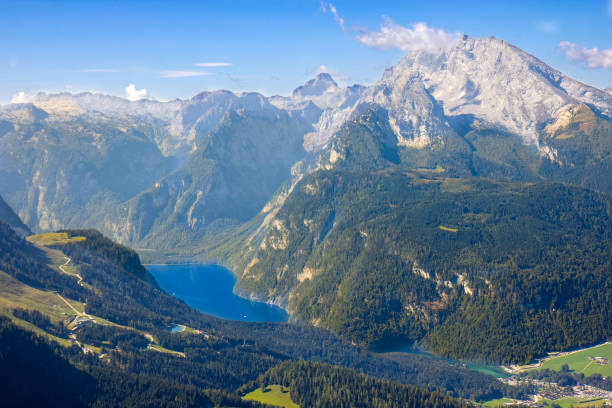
225, 356
496, 271
34, 372
325, 386
109, 250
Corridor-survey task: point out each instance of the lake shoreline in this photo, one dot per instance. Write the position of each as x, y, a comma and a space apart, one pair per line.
210, 288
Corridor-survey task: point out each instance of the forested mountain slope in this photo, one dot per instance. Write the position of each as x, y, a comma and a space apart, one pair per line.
214, 355
467, 266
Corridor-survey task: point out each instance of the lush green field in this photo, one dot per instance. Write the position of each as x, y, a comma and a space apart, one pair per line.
579, 361
568, 402
272, 395
54, 238
497, 402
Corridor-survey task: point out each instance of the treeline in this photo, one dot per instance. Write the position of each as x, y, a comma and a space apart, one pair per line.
34, 372
404, 250
237, 352
121, 255
231, 353
41, 321
321, 385
28, 264
112, 337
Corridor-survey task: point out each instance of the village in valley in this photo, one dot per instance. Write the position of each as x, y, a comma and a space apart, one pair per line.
580, 378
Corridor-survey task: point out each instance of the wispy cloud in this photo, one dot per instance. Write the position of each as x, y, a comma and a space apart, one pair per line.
591, 57
99, 70
547, 26
183, 74
212, 64
134, 94
336, 75
325, 7
418, 37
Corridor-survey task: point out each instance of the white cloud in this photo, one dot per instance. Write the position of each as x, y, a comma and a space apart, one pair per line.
591, 57
419, 37
336, 75
213, 64
99, 70
183, 74
325, 7
134, 94
547, 26
21, 97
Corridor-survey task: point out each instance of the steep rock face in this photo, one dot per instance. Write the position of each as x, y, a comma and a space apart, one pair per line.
56, 173
479, 108
8, 216
486, 82
228, 178
172, 125
498, 84
386, 255
324, 104
317, 86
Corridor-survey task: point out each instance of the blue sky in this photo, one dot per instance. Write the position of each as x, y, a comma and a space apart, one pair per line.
271, 46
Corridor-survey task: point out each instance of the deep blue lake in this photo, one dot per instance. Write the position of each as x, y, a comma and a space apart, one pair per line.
208, 288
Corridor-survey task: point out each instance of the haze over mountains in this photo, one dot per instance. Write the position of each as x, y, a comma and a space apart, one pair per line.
478, 84
277, 187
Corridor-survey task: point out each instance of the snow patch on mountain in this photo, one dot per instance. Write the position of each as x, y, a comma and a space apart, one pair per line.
496, 83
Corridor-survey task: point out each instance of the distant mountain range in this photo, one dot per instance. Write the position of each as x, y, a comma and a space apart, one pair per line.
282, 188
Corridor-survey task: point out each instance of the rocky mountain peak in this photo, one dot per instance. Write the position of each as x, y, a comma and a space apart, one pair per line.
317, 86
23, 113
496, 82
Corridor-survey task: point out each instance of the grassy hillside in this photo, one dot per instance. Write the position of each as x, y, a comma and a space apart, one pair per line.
465, 265
131, 334
274, 395
587, 361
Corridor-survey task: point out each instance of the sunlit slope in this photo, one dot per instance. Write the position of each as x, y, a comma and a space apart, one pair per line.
465, 265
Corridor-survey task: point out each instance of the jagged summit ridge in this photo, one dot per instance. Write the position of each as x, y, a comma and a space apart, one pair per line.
497, 83
489, 81
322, 83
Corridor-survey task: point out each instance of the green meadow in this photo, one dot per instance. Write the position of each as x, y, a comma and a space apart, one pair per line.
581, 362
275, 395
